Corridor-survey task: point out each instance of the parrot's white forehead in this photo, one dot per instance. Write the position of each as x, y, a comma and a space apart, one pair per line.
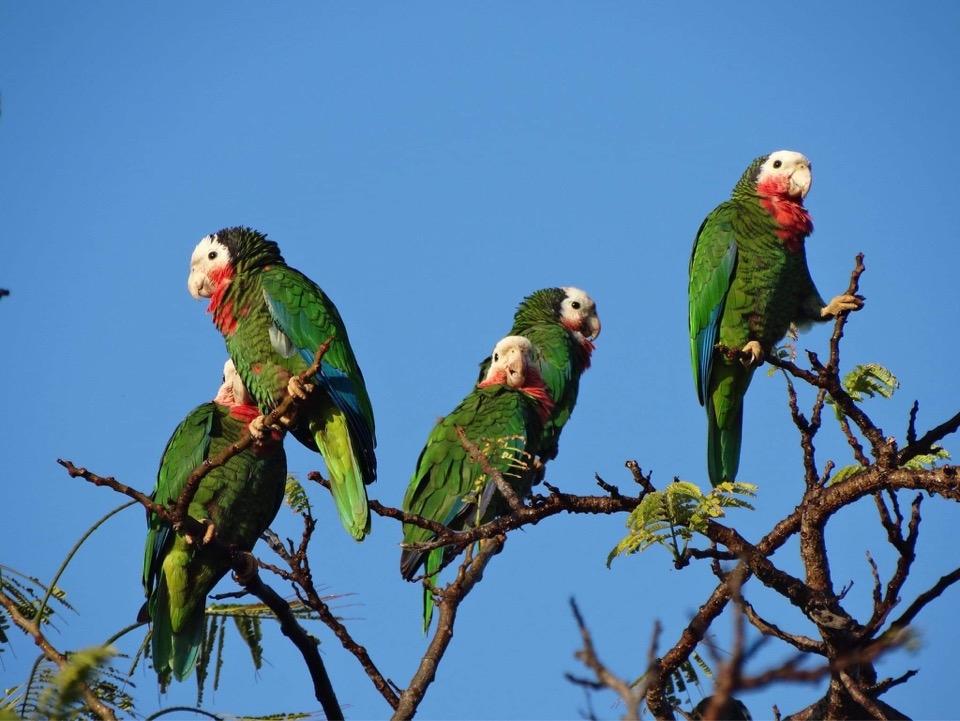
207, 244
578, 295
786, 159
513, 342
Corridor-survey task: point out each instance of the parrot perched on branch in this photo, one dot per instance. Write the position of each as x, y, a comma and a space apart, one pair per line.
749, 281
503, 416
236, 501
562, 324
274, 319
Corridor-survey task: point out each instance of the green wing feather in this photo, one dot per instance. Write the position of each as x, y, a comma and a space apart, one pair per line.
448, 487
712, 266
720, 387
241, 498
187, 448
343, 428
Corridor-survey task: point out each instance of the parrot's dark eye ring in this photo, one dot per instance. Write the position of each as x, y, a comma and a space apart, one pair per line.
212, 255
575, 305
777, 163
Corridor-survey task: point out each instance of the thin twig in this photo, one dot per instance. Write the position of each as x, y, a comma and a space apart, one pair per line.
61, 660
506, 490
469, 573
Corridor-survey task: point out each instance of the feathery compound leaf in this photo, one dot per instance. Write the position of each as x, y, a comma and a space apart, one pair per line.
296, 497
251, 634
923, 461
870, 379
206, 649
867, 380
259, 610
928, 460
678, 512
844, 473
219, 664
60, 694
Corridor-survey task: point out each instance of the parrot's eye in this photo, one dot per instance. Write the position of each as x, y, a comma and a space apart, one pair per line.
575, 305
496, 357
777, 163
212, 255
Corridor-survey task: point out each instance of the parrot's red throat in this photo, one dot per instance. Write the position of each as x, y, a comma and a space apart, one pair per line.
222, 310
533, 387
788, 212
586, 345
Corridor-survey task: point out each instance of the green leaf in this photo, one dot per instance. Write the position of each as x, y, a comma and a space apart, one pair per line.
250, 632
867, 380
844, 473
296, 496
928, 460
672, 516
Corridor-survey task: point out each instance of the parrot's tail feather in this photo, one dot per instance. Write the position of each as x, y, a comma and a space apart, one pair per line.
409, 563
723, 445
173, 651
432, 566
346, 476
186, 647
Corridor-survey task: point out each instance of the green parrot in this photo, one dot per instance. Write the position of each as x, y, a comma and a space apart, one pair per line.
749, 281
503, 416
562, 324
273, 319
237, 501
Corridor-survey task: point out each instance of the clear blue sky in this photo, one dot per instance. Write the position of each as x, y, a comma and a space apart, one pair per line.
429, 164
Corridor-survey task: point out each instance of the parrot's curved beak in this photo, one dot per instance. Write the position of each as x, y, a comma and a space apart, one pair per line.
800, 181
593, 326
515, 368
199, 284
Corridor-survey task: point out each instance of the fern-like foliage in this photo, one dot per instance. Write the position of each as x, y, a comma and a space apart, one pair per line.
260, 610
672, 517
27, 593
685, 676
923, 461
867, 380
296, 496
55, 693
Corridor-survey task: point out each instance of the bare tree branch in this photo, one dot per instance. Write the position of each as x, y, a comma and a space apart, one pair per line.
469, 573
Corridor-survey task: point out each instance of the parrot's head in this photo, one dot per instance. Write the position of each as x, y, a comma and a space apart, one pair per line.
785, 173
210, 264
232, 391
578, 313
221, 255
512, 363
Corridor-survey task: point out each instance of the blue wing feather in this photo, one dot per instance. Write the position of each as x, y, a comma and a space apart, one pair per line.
337, 382
707, 301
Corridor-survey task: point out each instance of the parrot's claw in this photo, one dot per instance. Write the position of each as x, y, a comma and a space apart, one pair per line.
841, 303
751, 354
257, 428
298, 388
209, 532
249, 570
